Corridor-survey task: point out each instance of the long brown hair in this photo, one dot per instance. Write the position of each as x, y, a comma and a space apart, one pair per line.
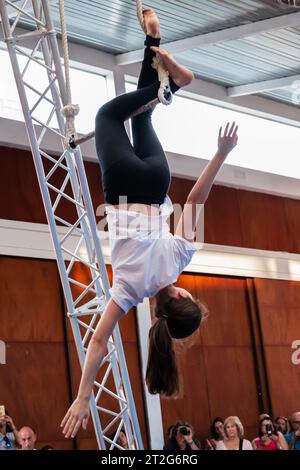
176, 318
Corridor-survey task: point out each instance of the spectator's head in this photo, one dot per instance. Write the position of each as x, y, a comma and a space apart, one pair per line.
296, 421
233, 428
27, 438
263, 426
180, 430
122, 439
263, 415
47, 447
282, 424
217, 429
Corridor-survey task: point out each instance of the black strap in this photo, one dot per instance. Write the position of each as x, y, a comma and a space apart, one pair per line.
241, 444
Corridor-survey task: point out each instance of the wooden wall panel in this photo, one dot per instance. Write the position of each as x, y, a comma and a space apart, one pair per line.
36, 390
20, 193
222, 221
292, 216
218, 370
263, 221
31, 301
232, 217
36, 386
279, 313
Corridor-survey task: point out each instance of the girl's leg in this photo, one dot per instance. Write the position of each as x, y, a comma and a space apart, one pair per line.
145, 140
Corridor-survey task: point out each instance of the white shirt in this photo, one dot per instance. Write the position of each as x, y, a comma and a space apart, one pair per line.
145, 256
11, 437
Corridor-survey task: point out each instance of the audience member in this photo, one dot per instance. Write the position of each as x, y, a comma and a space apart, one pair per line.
182, 438
27, 438
216, 434
9, 436
293, 438
282, 425
234, 436
268, 437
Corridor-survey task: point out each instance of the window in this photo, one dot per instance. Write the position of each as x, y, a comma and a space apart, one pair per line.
189, 127
89, 90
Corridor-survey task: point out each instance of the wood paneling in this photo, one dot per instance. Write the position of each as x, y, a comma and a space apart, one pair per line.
221, 217
292, 216
263, 221
31, 301
279, 312
232, 217
36, 386
218, 369
19, 190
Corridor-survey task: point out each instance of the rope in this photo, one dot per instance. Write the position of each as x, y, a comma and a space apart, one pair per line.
139, 12
69, 110
164, 93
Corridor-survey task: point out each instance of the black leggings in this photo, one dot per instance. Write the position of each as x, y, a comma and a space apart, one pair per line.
139, 172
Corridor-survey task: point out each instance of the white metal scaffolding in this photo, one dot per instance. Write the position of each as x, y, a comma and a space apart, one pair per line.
63, 181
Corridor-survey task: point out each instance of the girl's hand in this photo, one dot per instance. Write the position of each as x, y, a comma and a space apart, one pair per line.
77, 415
228, 140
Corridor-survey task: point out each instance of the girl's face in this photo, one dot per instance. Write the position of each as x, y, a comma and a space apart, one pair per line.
231, 430
182, 293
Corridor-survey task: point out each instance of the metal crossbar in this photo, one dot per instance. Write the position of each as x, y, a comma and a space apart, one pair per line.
63, 180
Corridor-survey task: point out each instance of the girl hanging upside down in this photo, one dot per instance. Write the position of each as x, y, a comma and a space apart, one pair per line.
146, 258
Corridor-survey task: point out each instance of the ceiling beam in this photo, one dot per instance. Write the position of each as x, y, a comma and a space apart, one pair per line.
223, 35
262, 87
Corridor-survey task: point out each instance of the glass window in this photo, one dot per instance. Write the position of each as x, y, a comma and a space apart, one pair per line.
190, 127
89, 90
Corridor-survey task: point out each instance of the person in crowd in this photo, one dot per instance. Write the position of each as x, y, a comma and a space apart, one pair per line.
182, 438
268, 437
282, 425
293, 438
27, 438
121, 442
216, 434
9, 435
234, 436
47, 447
264, 415
122, 439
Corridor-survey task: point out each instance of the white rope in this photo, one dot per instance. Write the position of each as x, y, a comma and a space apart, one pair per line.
139, 12
164, 93
69, 110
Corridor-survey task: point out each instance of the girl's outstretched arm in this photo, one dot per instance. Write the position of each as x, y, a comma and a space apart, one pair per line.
188, 221
78, 413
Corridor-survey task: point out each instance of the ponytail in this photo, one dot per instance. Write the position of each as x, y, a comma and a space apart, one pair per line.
176, 318
162, 373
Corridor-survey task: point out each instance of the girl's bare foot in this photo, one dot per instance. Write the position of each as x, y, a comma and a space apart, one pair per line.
179, 74
151, 23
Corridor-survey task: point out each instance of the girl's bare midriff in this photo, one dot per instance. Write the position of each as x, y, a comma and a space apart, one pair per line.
141, 208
